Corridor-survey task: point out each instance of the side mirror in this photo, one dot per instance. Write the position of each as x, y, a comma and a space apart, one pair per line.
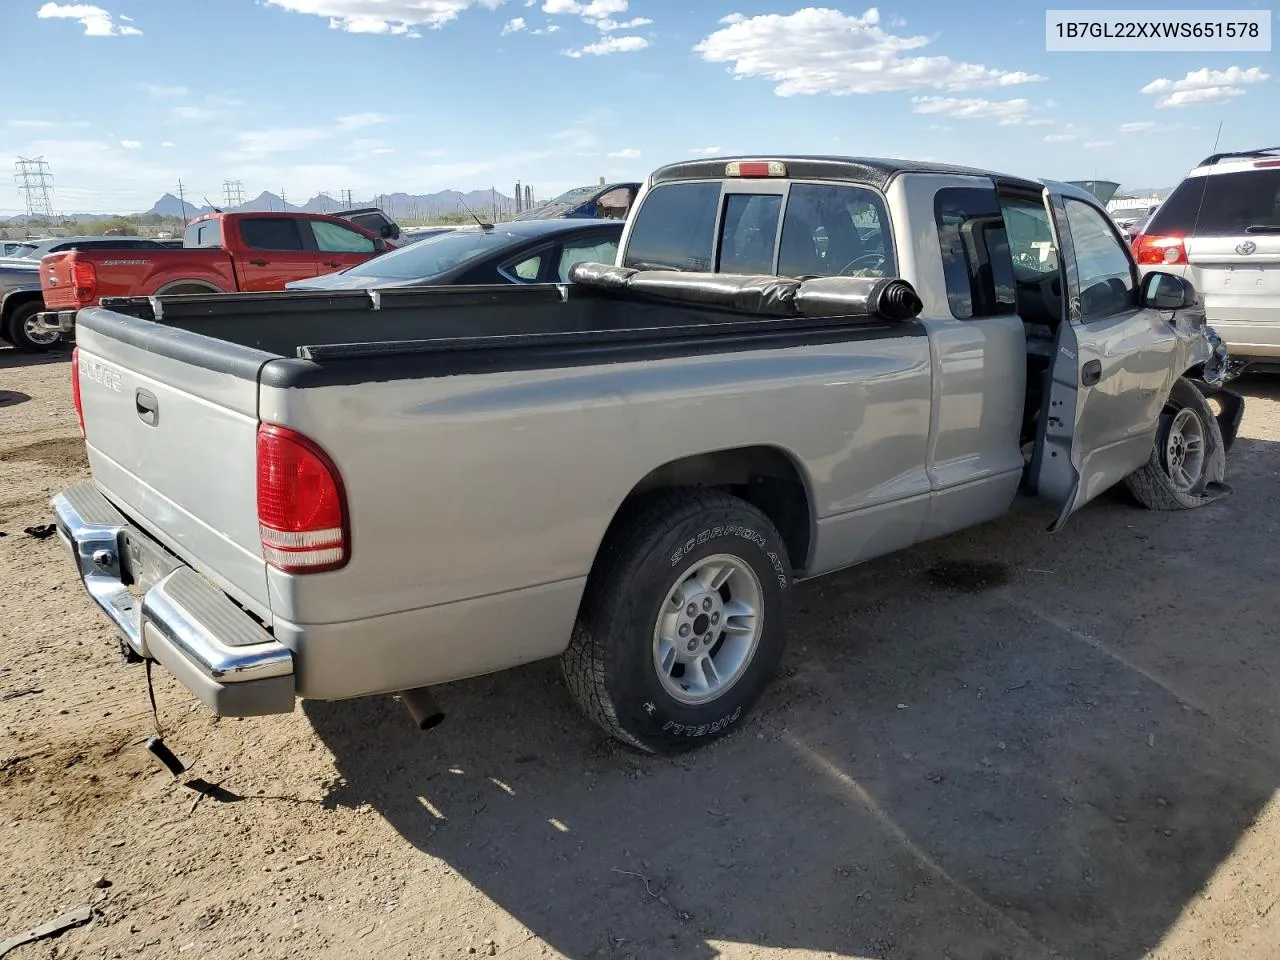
379, 245
1166, 291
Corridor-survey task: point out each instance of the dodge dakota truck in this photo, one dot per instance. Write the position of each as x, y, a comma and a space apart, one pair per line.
221, 253
794, 365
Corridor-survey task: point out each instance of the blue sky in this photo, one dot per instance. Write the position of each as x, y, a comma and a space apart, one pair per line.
125, 98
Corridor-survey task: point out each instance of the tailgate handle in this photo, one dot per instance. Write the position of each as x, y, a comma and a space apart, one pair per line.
148, 407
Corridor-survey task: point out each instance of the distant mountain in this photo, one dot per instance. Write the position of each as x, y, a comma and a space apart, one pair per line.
397, 205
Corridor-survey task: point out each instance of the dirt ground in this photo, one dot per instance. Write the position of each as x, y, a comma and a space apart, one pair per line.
1004, 744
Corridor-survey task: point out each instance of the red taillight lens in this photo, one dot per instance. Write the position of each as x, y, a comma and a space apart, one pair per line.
1151, 250
75, 388
302, 509
84, 281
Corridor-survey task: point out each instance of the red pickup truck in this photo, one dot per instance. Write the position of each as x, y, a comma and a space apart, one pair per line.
221, 253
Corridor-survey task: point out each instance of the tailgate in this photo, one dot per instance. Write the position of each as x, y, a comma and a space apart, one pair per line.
173, 443
1238, 276
55, 281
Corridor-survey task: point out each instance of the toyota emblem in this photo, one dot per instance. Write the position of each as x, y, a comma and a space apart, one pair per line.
1246, 248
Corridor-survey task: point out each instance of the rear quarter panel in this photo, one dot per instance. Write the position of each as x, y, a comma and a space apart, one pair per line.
127, 273
474, 485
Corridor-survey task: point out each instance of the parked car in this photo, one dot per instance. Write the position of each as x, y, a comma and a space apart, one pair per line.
1220, 229
414, 234
15, 248
597, 202
535, 251
21, 301
335, 495
221, 253
376, 221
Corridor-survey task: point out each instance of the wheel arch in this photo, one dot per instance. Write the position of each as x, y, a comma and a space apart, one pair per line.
188, 285
766, 476
18, 298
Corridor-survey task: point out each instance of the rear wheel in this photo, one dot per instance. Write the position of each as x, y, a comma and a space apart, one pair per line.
683, 621
25, 332
1188, 459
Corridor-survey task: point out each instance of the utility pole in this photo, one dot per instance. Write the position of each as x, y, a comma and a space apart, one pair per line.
233, 193
34, 183
518, 196
284, 204
528, 196
182, 203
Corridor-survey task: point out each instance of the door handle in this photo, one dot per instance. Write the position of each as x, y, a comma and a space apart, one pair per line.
1091, 373
333, 263
259, 262
148, 407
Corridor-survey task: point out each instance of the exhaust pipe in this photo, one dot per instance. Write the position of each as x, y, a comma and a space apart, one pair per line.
422, 707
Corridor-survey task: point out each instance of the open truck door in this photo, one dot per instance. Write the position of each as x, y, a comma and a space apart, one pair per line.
1115, 359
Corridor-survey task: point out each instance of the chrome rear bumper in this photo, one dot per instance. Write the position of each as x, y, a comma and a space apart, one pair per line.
172, 614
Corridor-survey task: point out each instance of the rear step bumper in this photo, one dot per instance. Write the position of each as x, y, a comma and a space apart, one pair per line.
62, 321
211, 646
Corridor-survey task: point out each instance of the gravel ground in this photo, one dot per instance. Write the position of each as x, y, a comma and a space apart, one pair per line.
1004, 744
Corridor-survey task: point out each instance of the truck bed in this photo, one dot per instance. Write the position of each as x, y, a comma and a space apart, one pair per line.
610, 308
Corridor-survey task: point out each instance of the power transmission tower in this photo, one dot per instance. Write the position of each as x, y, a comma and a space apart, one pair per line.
35, 182
346, 198
233, 192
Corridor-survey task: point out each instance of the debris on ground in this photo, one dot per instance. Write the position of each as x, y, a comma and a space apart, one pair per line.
41, 531
26, 692
72, 918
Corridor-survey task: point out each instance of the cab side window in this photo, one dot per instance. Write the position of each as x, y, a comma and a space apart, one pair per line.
332, 238
271, 233
976, 262
1107, 282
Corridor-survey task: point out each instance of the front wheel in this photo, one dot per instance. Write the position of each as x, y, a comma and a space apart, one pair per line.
1188, 462
683, 621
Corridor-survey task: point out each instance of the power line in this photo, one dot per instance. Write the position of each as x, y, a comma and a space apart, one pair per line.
34, 183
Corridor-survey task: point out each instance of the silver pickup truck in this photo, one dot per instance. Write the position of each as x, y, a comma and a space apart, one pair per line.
795, 365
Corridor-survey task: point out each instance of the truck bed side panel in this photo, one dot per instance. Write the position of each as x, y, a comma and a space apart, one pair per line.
189, 476
473, 485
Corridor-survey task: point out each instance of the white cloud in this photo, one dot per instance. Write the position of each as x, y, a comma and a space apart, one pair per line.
705, 151
818, 50
1204, 86
1008, 112
602, 48
256, 144
598, 13
32, 124
1060, 138
166, 143
514, 25
627, 153
96, 21
383, 151
1140, 126
131, 144
608, 23
161, 90
357, 121
393, 17
1096, 144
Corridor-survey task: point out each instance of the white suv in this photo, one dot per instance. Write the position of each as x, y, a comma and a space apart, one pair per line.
1220, 229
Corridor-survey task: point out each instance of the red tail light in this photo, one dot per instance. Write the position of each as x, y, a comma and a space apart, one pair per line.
75, 388
1151, 250
84, 281
302, 507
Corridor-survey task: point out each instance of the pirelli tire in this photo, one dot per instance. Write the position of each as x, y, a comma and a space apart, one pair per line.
683, 621
1188, 459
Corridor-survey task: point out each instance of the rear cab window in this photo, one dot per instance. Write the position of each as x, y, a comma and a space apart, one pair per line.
976, 260
787, 228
